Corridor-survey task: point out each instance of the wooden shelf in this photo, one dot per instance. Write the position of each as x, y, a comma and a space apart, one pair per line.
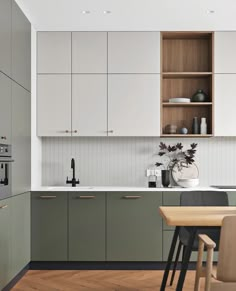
186, 67
186, 135
185, 74
167, 104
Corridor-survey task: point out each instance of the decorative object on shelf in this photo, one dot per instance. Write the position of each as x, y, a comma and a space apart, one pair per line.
178, 161
165, 178
203, 126
200, 96
179, 100
171, 129
183, 130
195, 126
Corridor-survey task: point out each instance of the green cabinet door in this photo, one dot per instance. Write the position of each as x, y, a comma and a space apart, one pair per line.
20, 236
49, 226
86, 226
134, 226
5, 242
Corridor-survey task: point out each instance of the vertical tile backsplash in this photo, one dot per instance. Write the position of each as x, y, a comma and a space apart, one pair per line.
121, 161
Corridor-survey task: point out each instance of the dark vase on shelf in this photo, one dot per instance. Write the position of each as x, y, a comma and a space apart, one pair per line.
200, 96
165, 178
195, 127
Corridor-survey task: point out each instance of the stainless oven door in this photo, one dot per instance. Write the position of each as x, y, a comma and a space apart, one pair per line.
5, 176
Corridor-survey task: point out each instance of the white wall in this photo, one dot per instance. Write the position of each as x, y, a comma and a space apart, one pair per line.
122, 161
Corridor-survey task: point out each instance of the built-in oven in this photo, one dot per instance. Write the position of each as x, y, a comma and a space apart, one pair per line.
5, 170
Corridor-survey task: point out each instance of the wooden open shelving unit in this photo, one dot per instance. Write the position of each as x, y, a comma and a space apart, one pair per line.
186, 66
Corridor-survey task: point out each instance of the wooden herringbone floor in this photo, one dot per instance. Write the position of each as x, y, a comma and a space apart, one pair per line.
97, 281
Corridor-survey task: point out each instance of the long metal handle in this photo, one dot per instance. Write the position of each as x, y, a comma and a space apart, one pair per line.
48, 197
6, 161
132, 197
3, 206
3, 137
110, 131
87, 197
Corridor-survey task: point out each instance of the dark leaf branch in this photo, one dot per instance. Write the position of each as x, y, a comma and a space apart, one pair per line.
175, 155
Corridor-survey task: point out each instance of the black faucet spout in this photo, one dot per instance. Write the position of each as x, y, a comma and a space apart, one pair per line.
73, 181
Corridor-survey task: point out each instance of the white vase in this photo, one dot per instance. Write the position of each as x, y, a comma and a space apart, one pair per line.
203, 126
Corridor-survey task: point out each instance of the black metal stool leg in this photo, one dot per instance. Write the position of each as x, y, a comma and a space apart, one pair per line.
185, 262
175, 263
170, 257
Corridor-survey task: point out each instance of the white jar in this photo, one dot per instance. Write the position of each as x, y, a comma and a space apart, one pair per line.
203, 126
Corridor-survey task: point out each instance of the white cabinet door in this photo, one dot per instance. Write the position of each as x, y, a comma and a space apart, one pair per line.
54, 105
21, 139
225, 104
5, 109
134, 52
89, 52
134, 105
89, 105
225, 52
54, 52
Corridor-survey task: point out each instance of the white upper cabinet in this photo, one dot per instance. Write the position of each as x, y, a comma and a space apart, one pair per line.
225, 104
134, 105
225, 52
134, 52
89, 52
89, 105
54, 105
54, 52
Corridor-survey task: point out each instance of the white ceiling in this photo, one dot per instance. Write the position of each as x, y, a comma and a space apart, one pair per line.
130, 14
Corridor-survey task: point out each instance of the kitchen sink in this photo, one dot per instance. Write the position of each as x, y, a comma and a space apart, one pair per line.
69, 187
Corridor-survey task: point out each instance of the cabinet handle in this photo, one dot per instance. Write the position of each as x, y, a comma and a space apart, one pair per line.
67, 131
110, 131
87, 197
47, 197
132, 197
3, 206
3, 137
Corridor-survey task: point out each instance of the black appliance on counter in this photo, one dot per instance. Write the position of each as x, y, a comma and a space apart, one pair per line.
5, 170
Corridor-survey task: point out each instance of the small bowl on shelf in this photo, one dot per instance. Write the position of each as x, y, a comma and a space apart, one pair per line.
179, 100
188, 183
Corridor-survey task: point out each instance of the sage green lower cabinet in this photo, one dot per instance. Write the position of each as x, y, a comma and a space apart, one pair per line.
171, 198
134, 226
49, 226
20, 220
5, 242
87, 214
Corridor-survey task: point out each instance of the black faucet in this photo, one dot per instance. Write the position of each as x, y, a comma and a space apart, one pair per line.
73, 180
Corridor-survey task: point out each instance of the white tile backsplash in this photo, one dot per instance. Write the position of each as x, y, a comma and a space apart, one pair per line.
122, 161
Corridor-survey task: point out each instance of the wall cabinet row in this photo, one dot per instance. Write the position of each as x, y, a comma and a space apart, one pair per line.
15, 236
98, 52
98, 105
15, 43
97, 226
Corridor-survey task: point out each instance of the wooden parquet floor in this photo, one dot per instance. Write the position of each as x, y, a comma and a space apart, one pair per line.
97, 281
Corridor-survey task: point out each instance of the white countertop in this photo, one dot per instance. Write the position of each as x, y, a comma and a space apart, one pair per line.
122, 189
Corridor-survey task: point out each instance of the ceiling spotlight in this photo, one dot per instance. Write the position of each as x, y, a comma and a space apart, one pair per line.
209, 11
85, 12
107, 12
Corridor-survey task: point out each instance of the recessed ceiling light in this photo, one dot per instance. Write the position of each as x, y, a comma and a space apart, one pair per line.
85, 12
107, 12
209, 11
